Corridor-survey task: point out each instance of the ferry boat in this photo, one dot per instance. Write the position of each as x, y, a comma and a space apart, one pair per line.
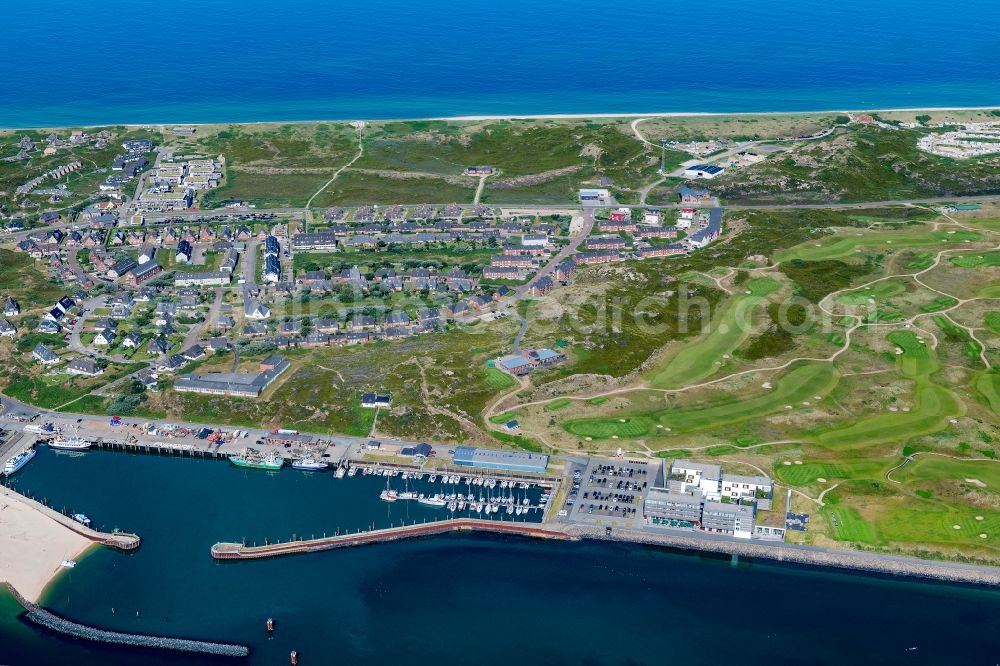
310, 465
70, 444
81, 518
18, 461
253, 459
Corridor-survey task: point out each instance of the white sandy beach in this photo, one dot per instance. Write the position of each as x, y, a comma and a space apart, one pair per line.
32, 546
597, 115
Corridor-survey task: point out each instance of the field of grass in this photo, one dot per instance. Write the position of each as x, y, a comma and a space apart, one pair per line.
850, 242
879, 292
802, 382
932, 404
992, 321
498, 379
354, 188
29, 286
698, 360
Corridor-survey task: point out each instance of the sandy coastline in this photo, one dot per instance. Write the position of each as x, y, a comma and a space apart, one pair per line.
33, 545
525, 116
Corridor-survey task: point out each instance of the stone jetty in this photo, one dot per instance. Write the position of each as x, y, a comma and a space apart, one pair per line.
53, 622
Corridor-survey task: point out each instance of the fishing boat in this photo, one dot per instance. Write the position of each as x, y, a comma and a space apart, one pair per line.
18, 461
69, 444
253, 459
310, 464
81, 518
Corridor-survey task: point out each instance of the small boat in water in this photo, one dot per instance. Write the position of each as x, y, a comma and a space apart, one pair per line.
69, 564
18, 461
69, 444
81, 518
310, 465
433, 501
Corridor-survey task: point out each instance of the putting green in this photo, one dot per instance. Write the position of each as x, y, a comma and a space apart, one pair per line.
880, 291
848, 242
977, 260
802, 382
763, 286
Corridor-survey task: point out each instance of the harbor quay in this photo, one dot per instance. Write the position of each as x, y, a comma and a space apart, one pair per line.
237, 551
674, 504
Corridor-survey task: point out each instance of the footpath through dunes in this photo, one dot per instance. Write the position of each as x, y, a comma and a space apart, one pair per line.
802, 382
238, 551
35, 540
60, 625
933, 405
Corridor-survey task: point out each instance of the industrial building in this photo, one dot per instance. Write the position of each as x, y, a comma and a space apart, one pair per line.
494, 459
242, 384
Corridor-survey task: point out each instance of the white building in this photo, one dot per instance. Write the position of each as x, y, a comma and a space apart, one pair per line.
706, 171
736, 486
692, 476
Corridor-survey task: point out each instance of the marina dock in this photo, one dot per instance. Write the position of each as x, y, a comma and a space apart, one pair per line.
238, 551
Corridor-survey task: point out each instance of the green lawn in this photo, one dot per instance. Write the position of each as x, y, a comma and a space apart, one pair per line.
800, 383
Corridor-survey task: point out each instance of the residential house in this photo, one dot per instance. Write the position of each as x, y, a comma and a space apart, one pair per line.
84, 367
44, 355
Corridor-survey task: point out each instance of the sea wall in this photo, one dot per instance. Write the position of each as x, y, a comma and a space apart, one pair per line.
236, 551
865, 562
53, 622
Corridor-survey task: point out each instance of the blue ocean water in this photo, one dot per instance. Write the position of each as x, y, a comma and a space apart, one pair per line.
450, 600
67, 63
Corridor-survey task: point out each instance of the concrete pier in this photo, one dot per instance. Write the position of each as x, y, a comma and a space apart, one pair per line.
238, 551
53, 622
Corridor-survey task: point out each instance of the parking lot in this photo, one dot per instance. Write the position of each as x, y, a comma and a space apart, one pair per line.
610, 491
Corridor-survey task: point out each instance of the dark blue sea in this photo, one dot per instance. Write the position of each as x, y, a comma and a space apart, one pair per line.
450, 600
115, 61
